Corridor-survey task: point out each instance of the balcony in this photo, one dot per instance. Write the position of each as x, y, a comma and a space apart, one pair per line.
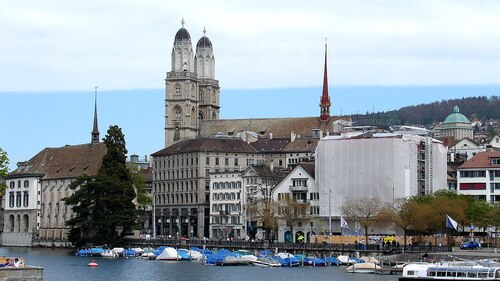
298, 188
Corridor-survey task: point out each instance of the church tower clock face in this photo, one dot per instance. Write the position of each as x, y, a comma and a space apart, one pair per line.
191, 91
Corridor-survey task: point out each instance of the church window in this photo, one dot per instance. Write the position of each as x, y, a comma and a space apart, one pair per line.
177, 89
200, 116
214, 116
201, 95
178, 112
193, 116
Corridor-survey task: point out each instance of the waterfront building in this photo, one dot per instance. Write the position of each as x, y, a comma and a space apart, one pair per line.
382, 166
456, 127
479, 177
181, 181
226, 205
297, 196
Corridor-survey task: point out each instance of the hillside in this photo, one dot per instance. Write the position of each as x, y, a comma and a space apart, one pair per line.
426, 114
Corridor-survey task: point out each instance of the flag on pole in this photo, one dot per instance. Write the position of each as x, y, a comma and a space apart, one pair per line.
451, 223
343, 222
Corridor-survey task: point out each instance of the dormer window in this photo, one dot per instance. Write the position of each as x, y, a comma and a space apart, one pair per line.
495, 161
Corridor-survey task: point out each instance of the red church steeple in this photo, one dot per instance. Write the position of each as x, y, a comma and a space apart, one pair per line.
324, 103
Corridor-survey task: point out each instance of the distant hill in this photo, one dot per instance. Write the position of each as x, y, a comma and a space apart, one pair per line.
426, 114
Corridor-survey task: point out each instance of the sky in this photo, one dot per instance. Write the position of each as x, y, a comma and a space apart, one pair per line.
269, 60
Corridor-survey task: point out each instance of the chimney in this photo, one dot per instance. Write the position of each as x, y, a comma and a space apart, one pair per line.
321, 133
270, 136
292, 136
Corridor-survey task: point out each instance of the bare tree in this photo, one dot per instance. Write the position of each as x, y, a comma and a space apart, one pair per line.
293, 212
365, 211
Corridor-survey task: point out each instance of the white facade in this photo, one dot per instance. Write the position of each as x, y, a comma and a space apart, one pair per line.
385, 166
226, 205
301, 186
22, 210
467, 147
480, 177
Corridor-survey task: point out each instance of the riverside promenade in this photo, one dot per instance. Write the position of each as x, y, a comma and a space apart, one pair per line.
319, 249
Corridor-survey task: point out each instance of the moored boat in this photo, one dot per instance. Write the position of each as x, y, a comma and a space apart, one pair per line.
366, 267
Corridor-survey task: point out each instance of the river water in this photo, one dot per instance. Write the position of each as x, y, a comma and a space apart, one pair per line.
62, 265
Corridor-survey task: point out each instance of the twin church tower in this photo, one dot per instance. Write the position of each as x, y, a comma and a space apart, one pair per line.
192, 92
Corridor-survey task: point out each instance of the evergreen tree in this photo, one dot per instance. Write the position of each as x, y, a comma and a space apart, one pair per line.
4, 169
103, 204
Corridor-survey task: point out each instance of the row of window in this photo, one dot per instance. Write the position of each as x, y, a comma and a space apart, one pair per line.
16, 225
26, 184
226, 208
15, 199
175, 186
201, 93
226, 196
182, 198
227, 185
472, 186
472, 174
226, 220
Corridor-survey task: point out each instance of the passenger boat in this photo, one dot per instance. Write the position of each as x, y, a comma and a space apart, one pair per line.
451, 271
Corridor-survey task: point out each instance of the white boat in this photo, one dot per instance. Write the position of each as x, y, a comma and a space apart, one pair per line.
118, 250
266, 263
366, 267
148, 256
195, 255
169, 254
451, 271
343, 259
110, 254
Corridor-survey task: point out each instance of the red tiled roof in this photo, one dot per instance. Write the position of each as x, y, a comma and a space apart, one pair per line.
481, 160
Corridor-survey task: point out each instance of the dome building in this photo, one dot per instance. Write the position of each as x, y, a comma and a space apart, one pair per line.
455, 126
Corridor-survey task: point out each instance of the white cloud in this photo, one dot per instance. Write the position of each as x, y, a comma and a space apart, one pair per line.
62, 45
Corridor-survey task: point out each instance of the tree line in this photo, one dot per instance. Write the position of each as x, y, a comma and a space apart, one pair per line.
424, 214
481, 107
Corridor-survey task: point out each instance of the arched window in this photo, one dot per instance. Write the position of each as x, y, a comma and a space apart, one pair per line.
177, 89
201, 95
26, 223
18, 223
214, 115
200, 116
193, 91
193, 116
11, 223
177, 112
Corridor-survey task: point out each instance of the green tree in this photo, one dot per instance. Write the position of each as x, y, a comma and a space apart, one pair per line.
103, 204
402, 215
4, 169
139, 182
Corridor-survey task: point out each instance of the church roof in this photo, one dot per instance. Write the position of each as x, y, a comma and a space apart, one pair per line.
226, 145
456, 117
68, 161
182, 35
279, 127
204, 42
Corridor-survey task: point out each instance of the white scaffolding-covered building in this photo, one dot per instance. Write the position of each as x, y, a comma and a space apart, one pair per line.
383, 166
